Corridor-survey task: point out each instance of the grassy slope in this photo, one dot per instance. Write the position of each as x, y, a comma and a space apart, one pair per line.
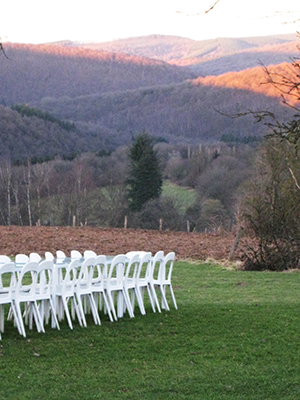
234, 336
183, 198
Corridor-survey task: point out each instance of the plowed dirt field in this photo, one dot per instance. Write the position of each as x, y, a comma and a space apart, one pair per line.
194, 246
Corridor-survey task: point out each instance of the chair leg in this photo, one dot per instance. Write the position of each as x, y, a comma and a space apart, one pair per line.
65, 306
128, 303
164, 300
107, 306
37, 317
81, 311
94, 310
20, 323
153, 291
151, 298
2, 318
173, 297
54, 317
111, 303
140, 300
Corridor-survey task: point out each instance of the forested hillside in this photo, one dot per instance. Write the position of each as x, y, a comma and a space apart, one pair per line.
23, 137
206, 57
181, 113
34, 72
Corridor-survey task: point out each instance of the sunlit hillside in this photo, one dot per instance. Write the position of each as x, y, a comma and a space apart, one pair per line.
185, 112
206, 57
255, 80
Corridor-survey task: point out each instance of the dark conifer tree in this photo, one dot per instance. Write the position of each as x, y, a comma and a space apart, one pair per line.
145, 174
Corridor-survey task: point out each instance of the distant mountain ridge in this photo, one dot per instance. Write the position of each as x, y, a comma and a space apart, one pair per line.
205, 56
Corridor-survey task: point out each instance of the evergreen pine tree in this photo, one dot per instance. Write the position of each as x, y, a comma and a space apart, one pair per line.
145, 175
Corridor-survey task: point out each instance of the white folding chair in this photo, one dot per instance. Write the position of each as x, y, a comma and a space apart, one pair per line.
100, 274
65, 292
83, 289
163, 279
75, 254
155, 271
49, 256
166, 278
60, 255
21, 259
133, 253
26, 293
142, 282
114, 283
8, 285
4, 259
44, 292
35, 257
129, 281
89, 253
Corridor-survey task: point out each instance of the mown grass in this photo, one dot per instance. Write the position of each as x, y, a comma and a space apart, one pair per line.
183, 198
235, 335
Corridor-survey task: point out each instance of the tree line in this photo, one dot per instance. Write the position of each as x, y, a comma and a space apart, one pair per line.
101, 189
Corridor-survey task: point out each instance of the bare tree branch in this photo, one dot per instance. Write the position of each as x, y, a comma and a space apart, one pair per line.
294, 178
3, 51
212, 7
205, 12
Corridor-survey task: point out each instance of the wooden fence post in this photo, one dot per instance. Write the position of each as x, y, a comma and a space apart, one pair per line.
160, 224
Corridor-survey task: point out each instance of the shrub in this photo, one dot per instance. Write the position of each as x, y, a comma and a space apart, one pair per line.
271, 210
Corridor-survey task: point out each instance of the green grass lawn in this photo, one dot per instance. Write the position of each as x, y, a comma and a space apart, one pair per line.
183, 198
235, 335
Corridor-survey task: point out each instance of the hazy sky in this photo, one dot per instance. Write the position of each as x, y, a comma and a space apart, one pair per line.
40, 21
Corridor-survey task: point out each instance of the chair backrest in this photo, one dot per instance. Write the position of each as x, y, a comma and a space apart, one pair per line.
144, 267
157, 265
89, 253
133, 253
60, 254
44, 279
35, 257
100, 272
86, 272
132, 266
71, 277
116, 270
27, 282
7, 282
4, 259
168, 266
75, 254
49, 256
21, 259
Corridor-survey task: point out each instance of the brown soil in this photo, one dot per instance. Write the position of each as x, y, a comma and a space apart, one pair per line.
194, 246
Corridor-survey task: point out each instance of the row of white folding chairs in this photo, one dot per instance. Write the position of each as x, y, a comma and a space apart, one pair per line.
124, 275
24, 258
157, 274
130, 275
30, 286
21, 258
